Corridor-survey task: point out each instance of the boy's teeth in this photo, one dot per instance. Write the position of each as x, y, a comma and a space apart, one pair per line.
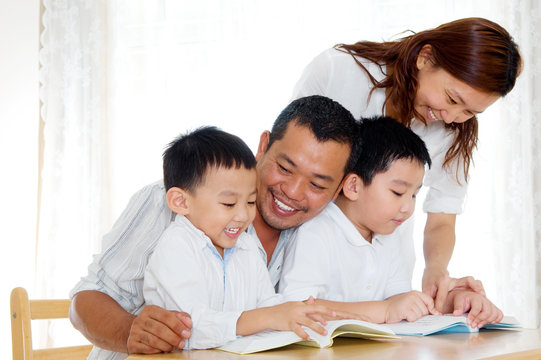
232, 230
282, 206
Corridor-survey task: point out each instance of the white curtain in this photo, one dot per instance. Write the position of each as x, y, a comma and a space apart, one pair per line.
121, 78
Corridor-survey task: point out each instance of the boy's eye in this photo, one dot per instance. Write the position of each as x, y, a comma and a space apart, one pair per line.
251, 202
228, 204
397, 193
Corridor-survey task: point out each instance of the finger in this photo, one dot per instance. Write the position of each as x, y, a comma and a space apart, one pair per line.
318, 318
185, 318
460, 306
475, 310
147, 343
441, 295
323, 310
310, 301
300, 332
314, 326
471, 283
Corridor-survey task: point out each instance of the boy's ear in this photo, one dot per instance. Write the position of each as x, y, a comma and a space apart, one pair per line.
177, 200
352, 186
263, 144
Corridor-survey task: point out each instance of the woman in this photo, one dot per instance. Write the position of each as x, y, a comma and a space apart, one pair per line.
436, 82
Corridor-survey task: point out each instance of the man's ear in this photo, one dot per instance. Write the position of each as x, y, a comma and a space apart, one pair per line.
425, 56
263, 144
177, 200
352, 186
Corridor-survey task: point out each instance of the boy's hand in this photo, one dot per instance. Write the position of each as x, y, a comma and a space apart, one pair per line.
481, 310
410, 306
157, 330
437, 284
293, 315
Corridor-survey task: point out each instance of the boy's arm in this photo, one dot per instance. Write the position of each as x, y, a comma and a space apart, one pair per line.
287, 316
408, 306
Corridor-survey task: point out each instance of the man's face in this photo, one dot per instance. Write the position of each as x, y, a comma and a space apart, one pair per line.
297, 176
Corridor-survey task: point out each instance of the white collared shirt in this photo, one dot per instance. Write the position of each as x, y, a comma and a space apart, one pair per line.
119, 269
327, 258
186, 273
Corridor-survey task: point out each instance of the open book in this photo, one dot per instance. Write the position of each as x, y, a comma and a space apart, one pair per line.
267, 340
432, 324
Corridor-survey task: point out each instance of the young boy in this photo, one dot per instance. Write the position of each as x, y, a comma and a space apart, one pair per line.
205, 263
348, 257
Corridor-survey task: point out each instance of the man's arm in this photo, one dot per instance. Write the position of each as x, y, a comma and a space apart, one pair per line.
107, 325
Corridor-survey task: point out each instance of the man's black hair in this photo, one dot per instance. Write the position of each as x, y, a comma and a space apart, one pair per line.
326, 119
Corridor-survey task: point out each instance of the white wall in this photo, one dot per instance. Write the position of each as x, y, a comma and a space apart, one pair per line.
19, 121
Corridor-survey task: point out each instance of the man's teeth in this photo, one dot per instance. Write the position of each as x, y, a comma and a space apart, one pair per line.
283, 206
432, 114
232, 231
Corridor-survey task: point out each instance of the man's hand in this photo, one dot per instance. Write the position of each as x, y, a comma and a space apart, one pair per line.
157, 330
437, 284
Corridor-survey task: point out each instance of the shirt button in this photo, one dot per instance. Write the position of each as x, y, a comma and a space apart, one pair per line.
368, 287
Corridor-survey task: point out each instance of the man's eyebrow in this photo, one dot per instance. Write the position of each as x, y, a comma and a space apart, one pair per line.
317, 175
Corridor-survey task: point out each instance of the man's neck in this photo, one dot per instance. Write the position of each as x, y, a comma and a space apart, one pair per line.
267, 235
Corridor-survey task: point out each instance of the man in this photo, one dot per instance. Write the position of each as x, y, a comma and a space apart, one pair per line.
300, 167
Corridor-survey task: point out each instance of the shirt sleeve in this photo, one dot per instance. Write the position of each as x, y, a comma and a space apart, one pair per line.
165, 286
118, 270
306, 270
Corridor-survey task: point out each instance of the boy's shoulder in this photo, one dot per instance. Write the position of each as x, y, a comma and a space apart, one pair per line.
330, 220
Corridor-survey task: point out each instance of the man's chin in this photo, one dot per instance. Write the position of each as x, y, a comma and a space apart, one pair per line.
278, 223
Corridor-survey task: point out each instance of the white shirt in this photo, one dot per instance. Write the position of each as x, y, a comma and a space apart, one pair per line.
336, 75
327, 258
119, 269
186, 273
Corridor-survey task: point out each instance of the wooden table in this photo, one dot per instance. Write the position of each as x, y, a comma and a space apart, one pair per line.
493, 344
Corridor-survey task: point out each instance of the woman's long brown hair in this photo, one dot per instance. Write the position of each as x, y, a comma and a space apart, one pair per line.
476, 51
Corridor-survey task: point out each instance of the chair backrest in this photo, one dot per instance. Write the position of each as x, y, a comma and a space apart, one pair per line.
22, 312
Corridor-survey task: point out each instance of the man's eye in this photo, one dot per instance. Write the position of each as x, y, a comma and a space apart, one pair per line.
283, 169
317, 186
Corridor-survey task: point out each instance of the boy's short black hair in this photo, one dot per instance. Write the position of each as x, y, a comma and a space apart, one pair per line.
326, 119
385, 140
187, 158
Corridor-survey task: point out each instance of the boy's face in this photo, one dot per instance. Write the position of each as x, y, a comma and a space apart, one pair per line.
297, 176
390, 199
224, 205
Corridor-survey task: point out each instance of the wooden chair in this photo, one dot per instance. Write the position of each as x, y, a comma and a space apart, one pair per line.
22, 312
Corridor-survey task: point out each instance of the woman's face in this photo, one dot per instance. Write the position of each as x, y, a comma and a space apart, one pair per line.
442, 97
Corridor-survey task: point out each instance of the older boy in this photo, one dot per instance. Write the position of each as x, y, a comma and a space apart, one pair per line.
348, 257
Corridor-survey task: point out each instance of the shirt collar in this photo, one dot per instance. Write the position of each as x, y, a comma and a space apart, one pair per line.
353, 235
